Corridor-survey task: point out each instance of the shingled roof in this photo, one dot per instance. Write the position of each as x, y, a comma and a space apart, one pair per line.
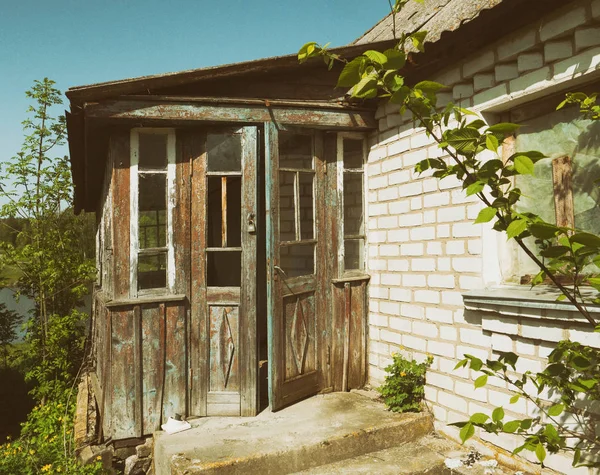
433, 16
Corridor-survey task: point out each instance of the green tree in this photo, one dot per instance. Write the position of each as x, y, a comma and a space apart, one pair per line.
562, 254
8, 330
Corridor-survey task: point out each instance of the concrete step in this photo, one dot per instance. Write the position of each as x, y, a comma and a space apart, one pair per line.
425, 456
318, 431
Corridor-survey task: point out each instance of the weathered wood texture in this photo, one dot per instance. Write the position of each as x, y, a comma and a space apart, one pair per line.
562, 178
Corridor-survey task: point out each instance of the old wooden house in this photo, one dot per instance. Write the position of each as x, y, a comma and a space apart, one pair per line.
262, 239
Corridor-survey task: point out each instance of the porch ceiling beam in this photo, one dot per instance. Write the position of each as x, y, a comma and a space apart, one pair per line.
193, 111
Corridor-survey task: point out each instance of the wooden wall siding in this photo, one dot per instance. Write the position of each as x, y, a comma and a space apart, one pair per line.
349, 335
181, 213
300, 318
153, 365
175, 372
119, 150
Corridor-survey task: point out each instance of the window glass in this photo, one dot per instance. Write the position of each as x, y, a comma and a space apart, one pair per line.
152, 228
353, 254
295, 151
152, 151
353, 153
224, 152
306, 195
297, 259
353, 204
152, 271
224, 268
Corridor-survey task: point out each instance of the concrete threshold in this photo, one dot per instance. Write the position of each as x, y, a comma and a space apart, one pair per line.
317, 431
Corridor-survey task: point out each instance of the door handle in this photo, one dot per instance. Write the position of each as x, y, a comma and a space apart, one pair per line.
251, 223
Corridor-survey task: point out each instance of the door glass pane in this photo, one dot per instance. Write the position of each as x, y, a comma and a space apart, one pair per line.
287, 208
224, 152
224, 268
213, 228
152, 271
353, 204
306, 205
224, 191
234, 211
353, 254
152, 210
353, 153
295, 151
152, 151
297, 259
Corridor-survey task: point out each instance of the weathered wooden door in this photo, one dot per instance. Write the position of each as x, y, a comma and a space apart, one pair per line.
295, 253
224, 372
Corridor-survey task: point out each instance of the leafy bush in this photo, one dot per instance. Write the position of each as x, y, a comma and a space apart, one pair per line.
46, 444
403, 389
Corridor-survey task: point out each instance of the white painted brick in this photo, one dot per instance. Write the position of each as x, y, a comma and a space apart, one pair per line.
414, 280
586, 37
398, 264
403, 176
480, 62
382, 124
450, 297
439, 413
400, 324
475, 246
468, 350
461, 91
436, 199
376, 375
399, 207
373, 305
374, 169
430, 393
508, 326
377, 154
439, 315
427, 296
450, 214
425, 329
466, 264
423, 265
423, 233
391, 337
538, 331
379, 348
395, 120
441, 349
507, 71
533, 81
447, 366
528, 364
378, 320
563, 464
467, 282
415, 157
398, 235
420, 140
585, 337
389, 250
449, 77
554, 50
448, 333
452, 402
378, 292
525, 347
416, 203
516, 43
473, 210
483, 81
449, 182
377, 182
373, 251
565, 21
440, 381
467, 390
391, 279
377, 236
462, 230
391, 164
430, 184
378, 209
387, 222
412, 311
475, 337
413, 249
443, 231
429, 216
444, 264
441, 281
455, 247
495, 94
411, 189
414, 343
529, 61
434, 248
502, 342
401, 295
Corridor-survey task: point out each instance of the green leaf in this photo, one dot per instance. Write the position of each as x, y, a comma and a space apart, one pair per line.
476, 363
395, 59
475, 188
523, 165
587, 239
461, 363
540, 452
463, 140
351, 73
491, 142
366, 88
467, 432
376, 56
555, 251
504, 128
481, 381
486, 215
511, 427
543, 230
516, 228
400, 95
498, 414
306, 50
479, 418
418, 40
576, 457
514, 399
429, 86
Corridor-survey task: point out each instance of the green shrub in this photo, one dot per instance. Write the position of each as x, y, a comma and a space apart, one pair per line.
403, 389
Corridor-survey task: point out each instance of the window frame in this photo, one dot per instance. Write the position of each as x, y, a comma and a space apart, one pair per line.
134, 249
342, 271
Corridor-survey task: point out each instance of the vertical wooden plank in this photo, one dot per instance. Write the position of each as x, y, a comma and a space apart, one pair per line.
137, 370
562, 178
347, 311
119, 147
224, 348
107, 370
356, 346
198, 318
123, 404
248, 325
152, 367
224, 211
175, 380
181, 215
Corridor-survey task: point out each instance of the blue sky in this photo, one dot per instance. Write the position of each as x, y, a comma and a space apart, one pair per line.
76, 42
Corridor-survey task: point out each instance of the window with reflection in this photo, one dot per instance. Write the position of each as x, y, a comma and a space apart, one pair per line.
354, 203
